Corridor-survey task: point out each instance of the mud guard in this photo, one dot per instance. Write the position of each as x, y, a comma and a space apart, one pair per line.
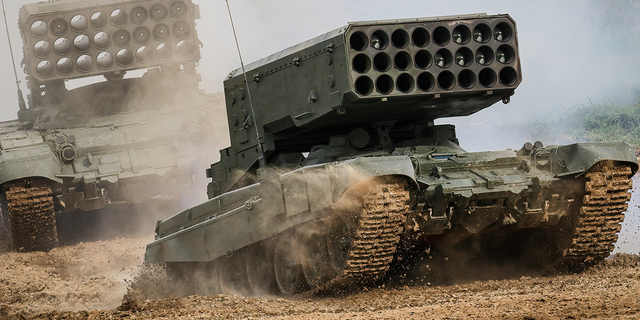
576, 159
264, 209
353, 171
35, 161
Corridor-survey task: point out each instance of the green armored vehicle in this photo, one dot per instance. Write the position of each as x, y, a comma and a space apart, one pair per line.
120, 140
335, 163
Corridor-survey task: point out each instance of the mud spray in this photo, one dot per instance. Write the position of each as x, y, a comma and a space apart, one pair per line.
156, 280
101, 251
418, 265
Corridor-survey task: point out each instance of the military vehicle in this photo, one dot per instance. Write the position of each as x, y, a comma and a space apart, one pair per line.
115, 141
335, 164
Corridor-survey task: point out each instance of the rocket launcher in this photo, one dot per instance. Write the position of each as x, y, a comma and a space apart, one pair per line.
72, 39
398, 72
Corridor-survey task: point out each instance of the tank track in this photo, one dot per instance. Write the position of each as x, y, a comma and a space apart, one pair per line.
607, 193
33, 222
376, 235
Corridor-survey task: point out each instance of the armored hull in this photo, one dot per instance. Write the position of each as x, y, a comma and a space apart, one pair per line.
117, 140
336, 167
329, 226
120, 158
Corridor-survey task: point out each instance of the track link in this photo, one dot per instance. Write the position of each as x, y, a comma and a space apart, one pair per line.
376, 234
33, 222
607, 193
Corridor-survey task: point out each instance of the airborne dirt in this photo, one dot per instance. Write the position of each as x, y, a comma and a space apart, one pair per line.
89, 280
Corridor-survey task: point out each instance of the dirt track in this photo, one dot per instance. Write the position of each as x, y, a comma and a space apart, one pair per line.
89, 280
42, 285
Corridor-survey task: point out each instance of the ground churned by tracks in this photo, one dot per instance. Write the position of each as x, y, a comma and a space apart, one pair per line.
87, 281
84, 276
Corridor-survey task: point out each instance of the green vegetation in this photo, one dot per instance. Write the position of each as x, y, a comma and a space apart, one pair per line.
601, 122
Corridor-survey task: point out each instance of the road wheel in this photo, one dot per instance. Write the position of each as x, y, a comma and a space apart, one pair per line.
316, 267
233, 275
259, 268
287, 266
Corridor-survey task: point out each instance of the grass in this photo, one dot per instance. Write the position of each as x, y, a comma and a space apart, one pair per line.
586, 123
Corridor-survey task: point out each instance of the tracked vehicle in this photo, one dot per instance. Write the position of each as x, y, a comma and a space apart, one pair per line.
114, 141
335, 164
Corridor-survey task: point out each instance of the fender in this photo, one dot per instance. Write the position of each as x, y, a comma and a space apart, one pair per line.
575, 159
265, 209
32, 161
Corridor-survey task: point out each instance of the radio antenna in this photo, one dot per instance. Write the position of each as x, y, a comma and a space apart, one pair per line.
21, 103
262, 160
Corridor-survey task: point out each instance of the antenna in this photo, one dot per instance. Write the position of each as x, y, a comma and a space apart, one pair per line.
21, 103
262, 160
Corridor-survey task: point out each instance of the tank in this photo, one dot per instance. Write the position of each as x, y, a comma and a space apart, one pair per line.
90, 137
336, 170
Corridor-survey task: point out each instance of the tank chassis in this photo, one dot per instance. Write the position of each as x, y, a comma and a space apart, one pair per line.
347, 166
119, 141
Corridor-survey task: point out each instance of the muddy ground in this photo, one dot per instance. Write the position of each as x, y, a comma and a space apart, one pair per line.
88, 278
88, 281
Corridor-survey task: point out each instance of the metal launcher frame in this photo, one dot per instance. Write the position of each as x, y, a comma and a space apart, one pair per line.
74, 39
400, 72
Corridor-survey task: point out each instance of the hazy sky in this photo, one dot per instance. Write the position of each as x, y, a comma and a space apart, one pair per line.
565, 60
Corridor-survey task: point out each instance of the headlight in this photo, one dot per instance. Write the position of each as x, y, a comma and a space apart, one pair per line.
67, 152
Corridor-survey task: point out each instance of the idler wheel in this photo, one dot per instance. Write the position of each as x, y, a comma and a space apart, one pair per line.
316, 267
259, 268
287, 266
339, 242
233, 278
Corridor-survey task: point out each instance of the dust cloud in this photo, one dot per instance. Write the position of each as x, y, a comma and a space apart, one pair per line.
79, 277
567, 59
571, 51
212, 278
